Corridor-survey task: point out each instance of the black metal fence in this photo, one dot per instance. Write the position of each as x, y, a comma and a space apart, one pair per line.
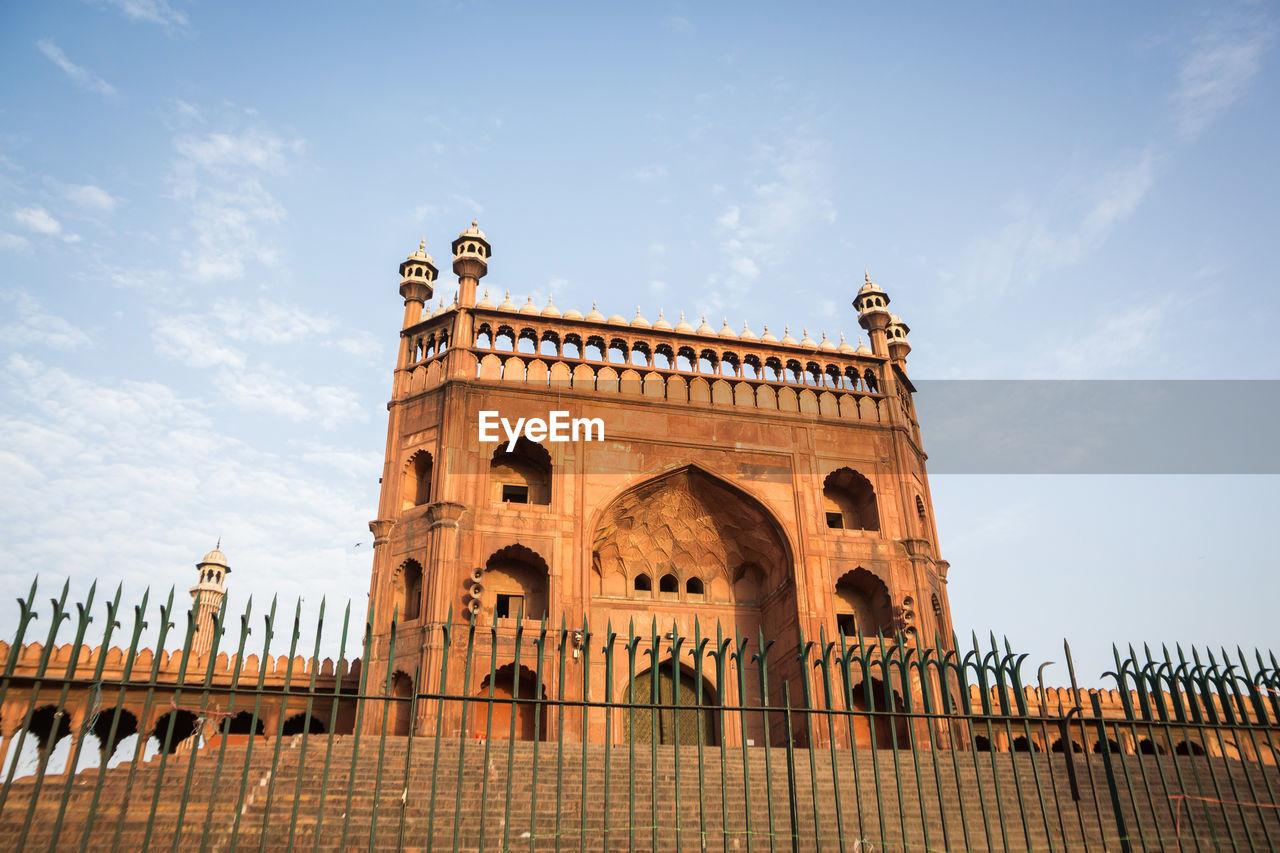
522, 735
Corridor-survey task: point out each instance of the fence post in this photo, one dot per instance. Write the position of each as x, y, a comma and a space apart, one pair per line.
1111, 776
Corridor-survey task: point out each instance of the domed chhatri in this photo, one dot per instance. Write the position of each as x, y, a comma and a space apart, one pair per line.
873, 313
471, 253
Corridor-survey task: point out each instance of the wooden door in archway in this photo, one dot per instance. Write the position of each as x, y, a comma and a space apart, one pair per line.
680, 721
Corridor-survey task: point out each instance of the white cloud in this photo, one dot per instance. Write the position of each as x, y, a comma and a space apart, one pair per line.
90, 197
142, 478
13, 242
1119, 339
1219, 68
32, 325
267, 322
38, 219
363, 344
255, 149
150, 11
82, 77
218, 176
469, 203
792, 193
1058, 234
678, 24
269, 390
191, 342
649, 172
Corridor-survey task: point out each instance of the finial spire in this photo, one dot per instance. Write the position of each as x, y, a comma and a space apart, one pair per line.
422, 244
218, 547
866, 272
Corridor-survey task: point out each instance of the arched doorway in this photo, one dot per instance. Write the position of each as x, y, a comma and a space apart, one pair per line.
400, 708
890, 729
683, 721
528, 723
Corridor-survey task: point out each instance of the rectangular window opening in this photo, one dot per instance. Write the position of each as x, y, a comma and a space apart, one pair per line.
509, 606
848, 625
835, 521
515, 494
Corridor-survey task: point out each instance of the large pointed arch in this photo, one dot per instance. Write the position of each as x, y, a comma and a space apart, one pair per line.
698, 526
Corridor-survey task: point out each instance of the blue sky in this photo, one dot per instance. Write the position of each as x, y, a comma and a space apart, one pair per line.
202, 207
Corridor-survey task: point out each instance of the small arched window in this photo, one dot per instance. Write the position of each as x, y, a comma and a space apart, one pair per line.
407, 591
642, 583
416, 489
849, 501
668, 584
693, 586
522, 475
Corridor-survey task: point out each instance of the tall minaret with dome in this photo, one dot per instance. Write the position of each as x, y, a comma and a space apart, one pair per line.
208, 595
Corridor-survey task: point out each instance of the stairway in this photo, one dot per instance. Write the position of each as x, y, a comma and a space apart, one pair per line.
275, 794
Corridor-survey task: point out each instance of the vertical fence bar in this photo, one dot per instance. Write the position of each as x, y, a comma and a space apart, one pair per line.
143, 734
697, 652
306, 732
82, 625
722, 648
1121, 828
281, 718
607, 651
585, 649
446, 631
201, 723
676, 640
739, 657
807, 698
86, 724
139, 625
167, 745
241, 806
824, 663
387, 706
655, 703
761, 659
793, 811
363, 700
564, 633
88, 720
539, 720
339, 672
488, 728
851, 719
632, 643
231, 706
59, 614
464, 730
511, 735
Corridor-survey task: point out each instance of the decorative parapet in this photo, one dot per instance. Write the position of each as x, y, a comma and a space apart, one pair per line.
613, 356
274, 670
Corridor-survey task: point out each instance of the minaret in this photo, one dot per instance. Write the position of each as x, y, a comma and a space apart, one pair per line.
899, 346
470, 261
417, 278
208, 595
873, 314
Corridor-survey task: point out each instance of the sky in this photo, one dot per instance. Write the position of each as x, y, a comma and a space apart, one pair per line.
203, 206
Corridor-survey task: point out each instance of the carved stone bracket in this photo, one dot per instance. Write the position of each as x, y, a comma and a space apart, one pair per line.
445, 514
381, 529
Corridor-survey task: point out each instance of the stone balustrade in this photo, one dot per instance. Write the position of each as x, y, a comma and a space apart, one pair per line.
614, 356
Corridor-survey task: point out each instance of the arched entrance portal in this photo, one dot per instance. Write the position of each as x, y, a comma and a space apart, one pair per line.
528, 723
889, 729
682, 721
